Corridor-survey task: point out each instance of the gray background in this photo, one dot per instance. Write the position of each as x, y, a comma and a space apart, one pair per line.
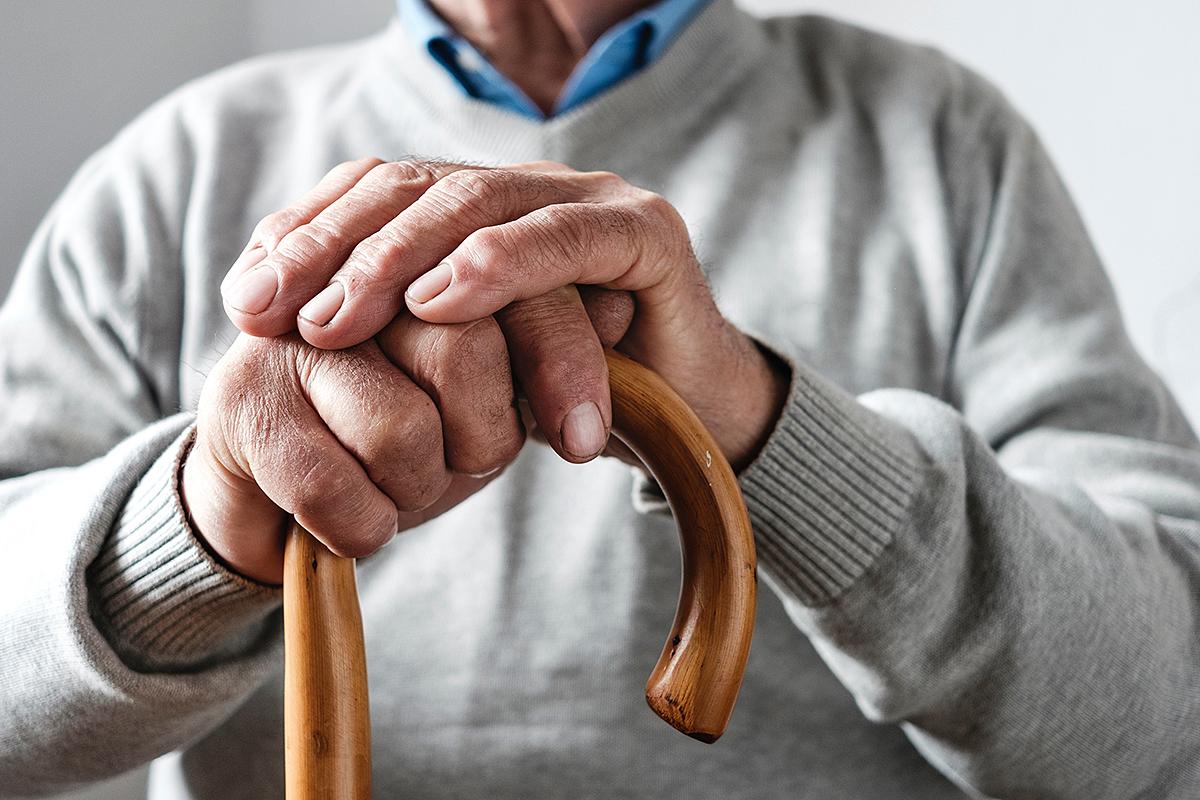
1113, 86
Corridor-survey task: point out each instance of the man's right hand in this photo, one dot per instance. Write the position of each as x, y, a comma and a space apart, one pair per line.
351, 442
360, 443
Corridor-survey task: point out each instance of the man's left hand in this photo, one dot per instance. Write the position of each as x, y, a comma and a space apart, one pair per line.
455, 244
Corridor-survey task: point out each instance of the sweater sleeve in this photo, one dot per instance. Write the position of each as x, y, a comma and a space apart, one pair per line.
122, 638
1012, 571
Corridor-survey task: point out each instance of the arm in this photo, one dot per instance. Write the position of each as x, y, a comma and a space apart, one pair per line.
107, 601
1014, 579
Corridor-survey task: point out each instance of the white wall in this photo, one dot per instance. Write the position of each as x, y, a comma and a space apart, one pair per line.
1114, 88
72, 73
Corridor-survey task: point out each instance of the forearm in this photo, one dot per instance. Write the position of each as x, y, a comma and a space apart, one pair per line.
1032, 637
133, 647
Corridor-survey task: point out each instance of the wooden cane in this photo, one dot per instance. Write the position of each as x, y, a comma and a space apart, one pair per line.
695, 683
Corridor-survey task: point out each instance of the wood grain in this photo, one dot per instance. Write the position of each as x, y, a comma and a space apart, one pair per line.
695, 683
326, 718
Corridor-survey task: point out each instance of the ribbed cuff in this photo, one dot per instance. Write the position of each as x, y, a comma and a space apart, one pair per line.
828, 491
160, 598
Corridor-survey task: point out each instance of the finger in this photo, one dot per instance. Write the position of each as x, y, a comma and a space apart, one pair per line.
461, 487
370, 286
380, 416
465, 370
619, 245
611, 312
615, 448
273, 227
559, 363
265, 301
316, 480
298, 463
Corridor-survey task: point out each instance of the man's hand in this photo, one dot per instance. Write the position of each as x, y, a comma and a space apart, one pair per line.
456, 244
349, 442
352, 442
363, 442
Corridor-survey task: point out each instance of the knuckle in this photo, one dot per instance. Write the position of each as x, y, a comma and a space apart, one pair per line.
663, 234
247, 368
419, 429
558, 216
250, 398
322, 488
378, 444
490, 254
471, 192
403, 452
424, 470
656, 207
474, 345
355, 524
361, 272
373, 259
419, 487
607, 180
469, 183
271, 229
308, 363
622, 223
461, 354
397, 176
355, 166
298, 250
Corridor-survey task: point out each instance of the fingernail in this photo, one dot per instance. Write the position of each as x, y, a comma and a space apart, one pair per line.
249, 258
254, 291
583, 431
325, 305
244, 263
431, 284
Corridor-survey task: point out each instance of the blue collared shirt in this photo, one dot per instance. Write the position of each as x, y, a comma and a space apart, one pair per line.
625, 48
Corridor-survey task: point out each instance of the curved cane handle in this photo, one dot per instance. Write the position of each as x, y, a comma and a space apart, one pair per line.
696, 681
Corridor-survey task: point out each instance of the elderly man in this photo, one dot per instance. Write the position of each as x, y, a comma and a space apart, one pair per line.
977, 511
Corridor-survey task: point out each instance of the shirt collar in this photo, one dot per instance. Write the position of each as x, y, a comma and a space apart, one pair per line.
623, 50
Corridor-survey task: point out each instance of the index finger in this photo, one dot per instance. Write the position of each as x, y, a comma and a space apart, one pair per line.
617, 245
279, 280
273, 227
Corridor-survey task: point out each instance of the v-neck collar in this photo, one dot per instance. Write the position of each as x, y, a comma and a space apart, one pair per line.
716, 49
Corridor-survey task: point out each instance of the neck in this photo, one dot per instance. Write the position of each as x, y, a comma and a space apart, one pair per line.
535, 43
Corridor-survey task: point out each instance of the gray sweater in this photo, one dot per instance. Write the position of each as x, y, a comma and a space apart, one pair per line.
978, 519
